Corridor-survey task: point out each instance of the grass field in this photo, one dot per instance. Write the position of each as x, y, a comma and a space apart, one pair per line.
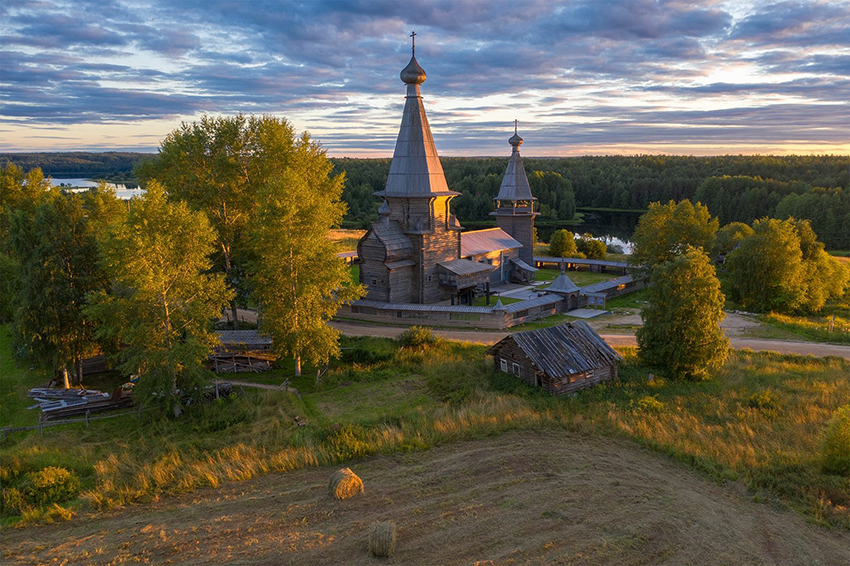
524, 497
382, 399
346, 240
580, 278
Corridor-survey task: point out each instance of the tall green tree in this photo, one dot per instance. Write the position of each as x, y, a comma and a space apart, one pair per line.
728, 237
766, 271
825, 277
296, 274
666, 230
59, 270
20, 195
219, 165
164, 299
562, 243
681, 324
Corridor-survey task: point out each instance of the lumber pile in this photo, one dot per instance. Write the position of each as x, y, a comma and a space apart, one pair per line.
246, 362
67, 403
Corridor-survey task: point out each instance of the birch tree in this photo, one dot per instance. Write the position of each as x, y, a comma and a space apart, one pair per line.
164, 299
296, 274
681, 324
219, 165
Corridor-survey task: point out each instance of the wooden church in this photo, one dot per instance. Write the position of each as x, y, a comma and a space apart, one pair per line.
417, 252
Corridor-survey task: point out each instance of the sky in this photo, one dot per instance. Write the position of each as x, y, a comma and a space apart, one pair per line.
581, 77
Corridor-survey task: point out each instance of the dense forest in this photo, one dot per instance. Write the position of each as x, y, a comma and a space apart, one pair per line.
111, 164
734, 187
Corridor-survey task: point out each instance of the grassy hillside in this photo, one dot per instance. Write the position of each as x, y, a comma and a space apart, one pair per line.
759, 422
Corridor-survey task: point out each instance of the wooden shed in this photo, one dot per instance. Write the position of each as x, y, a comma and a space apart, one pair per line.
560, 359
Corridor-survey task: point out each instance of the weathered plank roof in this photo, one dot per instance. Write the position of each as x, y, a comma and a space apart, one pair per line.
234, 337
400, 263
579, 261
522, 265
543, 301
421, 308
607, 285
562, 284
465, 266
476, 242
397, 244
564, 350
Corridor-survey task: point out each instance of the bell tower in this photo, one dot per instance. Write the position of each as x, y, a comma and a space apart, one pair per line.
515, 205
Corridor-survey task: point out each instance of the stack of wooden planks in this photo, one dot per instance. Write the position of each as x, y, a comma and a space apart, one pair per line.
244, 362
65, 403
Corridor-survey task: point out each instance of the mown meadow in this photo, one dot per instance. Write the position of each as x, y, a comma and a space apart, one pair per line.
759, 422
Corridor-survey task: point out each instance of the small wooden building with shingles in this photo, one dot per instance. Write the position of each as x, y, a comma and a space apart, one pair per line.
560, 359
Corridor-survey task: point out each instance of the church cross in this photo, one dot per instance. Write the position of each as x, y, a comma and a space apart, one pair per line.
413, 37
515, 125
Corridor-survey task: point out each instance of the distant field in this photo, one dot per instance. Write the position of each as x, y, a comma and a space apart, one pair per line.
346, 240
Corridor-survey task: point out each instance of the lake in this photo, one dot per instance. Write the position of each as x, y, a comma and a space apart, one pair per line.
613, 227
84, 184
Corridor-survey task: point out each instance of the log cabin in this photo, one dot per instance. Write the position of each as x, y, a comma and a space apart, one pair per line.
561, 359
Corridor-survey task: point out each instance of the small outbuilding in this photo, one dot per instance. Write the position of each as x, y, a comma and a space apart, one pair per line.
560, 359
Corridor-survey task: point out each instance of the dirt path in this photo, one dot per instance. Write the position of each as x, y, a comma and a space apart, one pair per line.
522, 498
485, 337
734, 325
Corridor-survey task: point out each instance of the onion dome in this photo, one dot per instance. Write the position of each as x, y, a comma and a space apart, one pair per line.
515, 140
413, 74
384, 210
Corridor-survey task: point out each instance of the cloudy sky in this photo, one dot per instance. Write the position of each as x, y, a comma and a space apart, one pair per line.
582, 76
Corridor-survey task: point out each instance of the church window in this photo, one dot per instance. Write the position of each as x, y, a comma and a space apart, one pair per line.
503, 365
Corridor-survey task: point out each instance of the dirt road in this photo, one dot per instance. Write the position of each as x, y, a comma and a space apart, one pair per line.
533, 497
485, 337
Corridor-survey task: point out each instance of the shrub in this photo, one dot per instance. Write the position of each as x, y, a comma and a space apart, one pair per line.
762, 400
13, 500
417, 337
591, 247
648, 404
835, 446
563, 244
51, 485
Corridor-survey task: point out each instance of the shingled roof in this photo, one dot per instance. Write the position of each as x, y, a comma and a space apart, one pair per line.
562, 284
397, 244
565, 349
476, 242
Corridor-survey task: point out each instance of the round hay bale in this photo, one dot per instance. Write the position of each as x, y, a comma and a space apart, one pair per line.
345, 483
382, 538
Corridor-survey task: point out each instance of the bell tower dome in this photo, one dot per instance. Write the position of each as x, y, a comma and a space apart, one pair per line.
515, 204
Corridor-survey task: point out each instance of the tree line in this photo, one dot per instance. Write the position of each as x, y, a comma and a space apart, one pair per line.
736, 188
77, 163
234, 207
